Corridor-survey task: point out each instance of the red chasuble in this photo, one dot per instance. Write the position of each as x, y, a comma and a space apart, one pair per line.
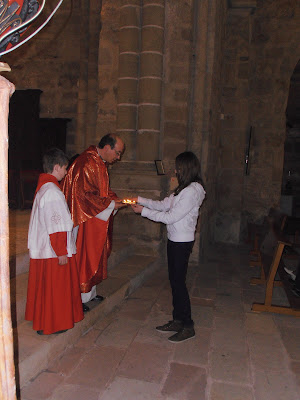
87, 191
53, 294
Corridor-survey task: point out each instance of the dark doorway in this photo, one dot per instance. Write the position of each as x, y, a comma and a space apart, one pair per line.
29, 137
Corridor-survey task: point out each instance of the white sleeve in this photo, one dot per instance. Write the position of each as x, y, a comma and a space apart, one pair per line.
187, 201
163, 205
105, 214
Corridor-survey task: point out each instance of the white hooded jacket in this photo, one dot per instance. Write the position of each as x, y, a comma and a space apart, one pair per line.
179, 213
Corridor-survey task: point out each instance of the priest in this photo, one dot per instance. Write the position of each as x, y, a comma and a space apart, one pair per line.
92, 205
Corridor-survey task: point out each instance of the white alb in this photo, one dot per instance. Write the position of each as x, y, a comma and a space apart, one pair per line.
50, 214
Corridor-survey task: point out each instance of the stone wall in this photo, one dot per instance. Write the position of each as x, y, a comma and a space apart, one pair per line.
261, 52
167, 76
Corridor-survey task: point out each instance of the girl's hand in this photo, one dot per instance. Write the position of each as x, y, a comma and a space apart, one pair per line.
137, 208
62, 260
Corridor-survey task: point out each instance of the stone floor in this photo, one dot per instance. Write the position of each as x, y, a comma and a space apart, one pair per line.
236, 354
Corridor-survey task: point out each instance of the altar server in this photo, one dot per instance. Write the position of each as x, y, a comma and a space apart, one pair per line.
53, 296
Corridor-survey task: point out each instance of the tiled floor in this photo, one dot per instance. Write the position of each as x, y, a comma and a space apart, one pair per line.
236, 354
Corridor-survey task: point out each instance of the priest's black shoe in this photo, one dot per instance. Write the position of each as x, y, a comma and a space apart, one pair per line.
85, 308
98, 298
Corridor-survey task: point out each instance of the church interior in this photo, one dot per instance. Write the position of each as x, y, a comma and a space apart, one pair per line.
220, 78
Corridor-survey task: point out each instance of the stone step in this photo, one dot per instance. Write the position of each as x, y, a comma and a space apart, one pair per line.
34, 352
121, 250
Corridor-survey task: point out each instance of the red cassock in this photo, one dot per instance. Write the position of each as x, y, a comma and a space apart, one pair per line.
53, 295
87, 192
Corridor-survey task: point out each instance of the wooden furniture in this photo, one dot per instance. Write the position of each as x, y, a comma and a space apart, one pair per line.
269, 268
264, 236
269, 248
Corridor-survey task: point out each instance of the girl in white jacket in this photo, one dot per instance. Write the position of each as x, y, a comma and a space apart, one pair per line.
180, 213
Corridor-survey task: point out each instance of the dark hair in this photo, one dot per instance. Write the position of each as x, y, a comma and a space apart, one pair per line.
110, 139
188, 170
53, 157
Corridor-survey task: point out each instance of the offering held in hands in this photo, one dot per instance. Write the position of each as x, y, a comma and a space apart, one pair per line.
128, 201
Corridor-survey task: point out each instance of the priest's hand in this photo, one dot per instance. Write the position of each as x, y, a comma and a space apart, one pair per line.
137, 208
62, 260
119, 204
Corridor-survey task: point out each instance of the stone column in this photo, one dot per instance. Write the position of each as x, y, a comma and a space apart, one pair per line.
128, 74
83, 78
7, 369
150, 84
88, 78
92, 70
204, 108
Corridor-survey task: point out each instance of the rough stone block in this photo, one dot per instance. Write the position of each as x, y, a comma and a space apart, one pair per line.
172, 148
243, 71
123, 388
129, 139
151, 64
227, 227
129, 40
176, 113
179, 74
42, 387
149, 117
128, 65
68, 361
129, 3
195, 351
151, 2
145, 363
175, 130
181, 95
75, 392
184, 380
127, 91
130, 16
135, 225
152, 39
148, 146
222, 391
274, 385
103, 362
150, 90
230, 366
153, 15
126, 117
105, 56
180, 52
119, 333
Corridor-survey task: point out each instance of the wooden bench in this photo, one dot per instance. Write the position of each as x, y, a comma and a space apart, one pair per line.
269, 268
265, 236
